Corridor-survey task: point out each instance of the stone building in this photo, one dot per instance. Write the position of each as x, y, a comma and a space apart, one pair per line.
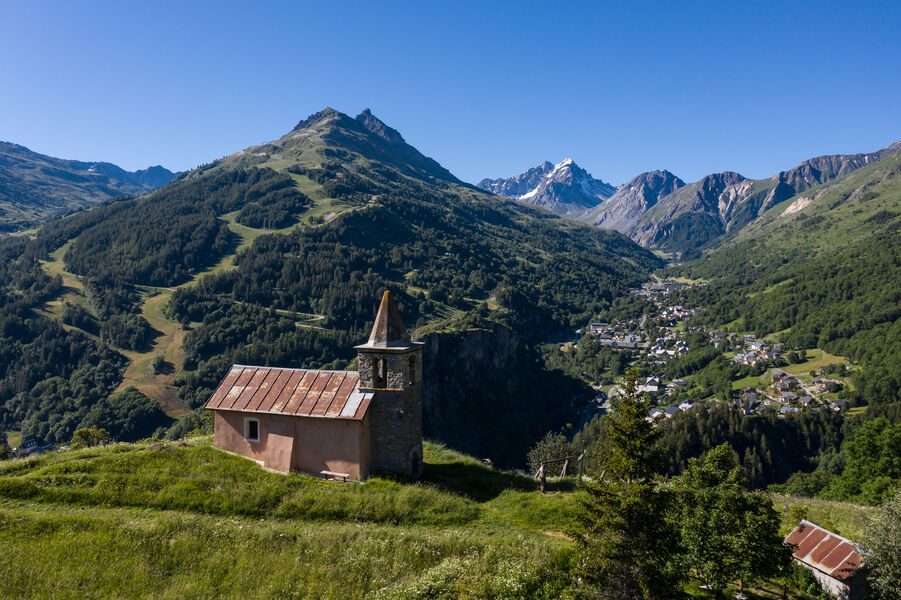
332, 423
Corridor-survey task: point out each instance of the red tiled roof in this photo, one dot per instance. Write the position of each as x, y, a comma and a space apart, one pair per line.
825, 551
297, 392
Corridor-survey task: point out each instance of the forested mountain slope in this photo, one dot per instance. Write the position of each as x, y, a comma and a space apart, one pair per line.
34, 187
824, 270
281, 252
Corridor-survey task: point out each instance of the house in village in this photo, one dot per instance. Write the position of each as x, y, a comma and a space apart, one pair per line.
834, 561
654, 415
339, 424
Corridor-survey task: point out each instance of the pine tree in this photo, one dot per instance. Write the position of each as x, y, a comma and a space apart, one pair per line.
626, 542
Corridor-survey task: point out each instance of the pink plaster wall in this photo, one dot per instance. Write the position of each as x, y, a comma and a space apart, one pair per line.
298, 443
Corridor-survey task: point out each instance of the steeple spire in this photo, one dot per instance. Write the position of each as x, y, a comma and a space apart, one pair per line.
388, 328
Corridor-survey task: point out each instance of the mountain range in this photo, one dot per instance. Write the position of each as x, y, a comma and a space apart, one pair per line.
563, 188
314, 226
34, 187
660, 211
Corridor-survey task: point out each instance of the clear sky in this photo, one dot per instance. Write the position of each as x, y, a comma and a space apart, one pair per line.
486, 88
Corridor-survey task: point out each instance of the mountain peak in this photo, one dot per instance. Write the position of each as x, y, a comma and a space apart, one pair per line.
631, 200
564, 188
365, 134
324, 116
375, 125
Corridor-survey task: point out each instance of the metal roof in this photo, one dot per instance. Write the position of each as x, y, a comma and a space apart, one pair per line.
295, 392
825, 551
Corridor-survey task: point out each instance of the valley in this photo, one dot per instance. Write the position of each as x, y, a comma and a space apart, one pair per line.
775, 341
598, 301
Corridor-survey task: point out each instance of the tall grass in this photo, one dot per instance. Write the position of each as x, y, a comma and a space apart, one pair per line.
62, 552
199, 478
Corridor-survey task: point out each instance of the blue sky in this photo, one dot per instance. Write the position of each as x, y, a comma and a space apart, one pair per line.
486, 88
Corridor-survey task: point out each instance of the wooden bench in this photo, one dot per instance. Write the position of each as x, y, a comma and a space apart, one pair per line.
333, 476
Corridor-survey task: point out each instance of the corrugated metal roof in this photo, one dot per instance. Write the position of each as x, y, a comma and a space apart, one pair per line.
825, 551
297, 392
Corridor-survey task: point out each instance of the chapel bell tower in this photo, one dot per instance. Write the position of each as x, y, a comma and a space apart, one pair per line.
391, 367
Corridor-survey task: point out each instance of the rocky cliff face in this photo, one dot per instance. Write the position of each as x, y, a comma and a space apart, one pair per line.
663, 213
692, 214
514, 187
624, 208
565, 188
485, 394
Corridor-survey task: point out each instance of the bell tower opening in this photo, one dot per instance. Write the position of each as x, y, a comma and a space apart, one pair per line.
379, 375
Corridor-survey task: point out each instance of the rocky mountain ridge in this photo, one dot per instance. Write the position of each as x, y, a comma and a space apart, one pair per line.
35, 187
699, 214
564, 188
660, 211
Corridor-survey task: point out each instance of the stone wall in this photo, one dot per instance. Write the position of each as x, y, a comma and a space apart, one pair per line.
396, 368
395, 412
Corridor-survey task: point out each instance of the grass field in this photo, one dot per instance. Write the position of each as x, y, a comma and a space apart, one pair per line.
843, 518
816, 359
170, 345
185, 520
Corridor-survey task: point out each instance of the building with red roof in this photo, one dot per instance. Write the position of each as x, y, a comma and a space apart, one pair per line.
342, 424
835, 561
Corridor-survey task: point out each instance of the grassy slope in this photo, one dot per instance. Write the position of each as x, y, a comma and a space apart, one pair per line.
847, 216
843, 518
185, 520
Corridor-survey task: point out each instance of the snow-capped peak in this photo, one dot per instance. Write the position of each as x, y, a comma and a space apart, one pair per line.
564, 163
564, 188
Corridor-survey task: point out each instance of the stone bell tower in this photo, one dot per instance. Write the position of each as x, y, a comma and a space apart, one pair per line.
391, 368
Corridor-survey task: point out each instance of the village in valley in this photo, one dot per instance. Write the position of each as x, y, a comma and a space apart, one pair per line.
670, 351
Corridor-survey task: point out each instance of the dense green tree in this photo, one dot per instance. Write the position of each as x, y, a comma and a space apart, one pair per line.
872, 464
771, 447
127, 416
727, 533
883, 549
90, 436
626, 543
